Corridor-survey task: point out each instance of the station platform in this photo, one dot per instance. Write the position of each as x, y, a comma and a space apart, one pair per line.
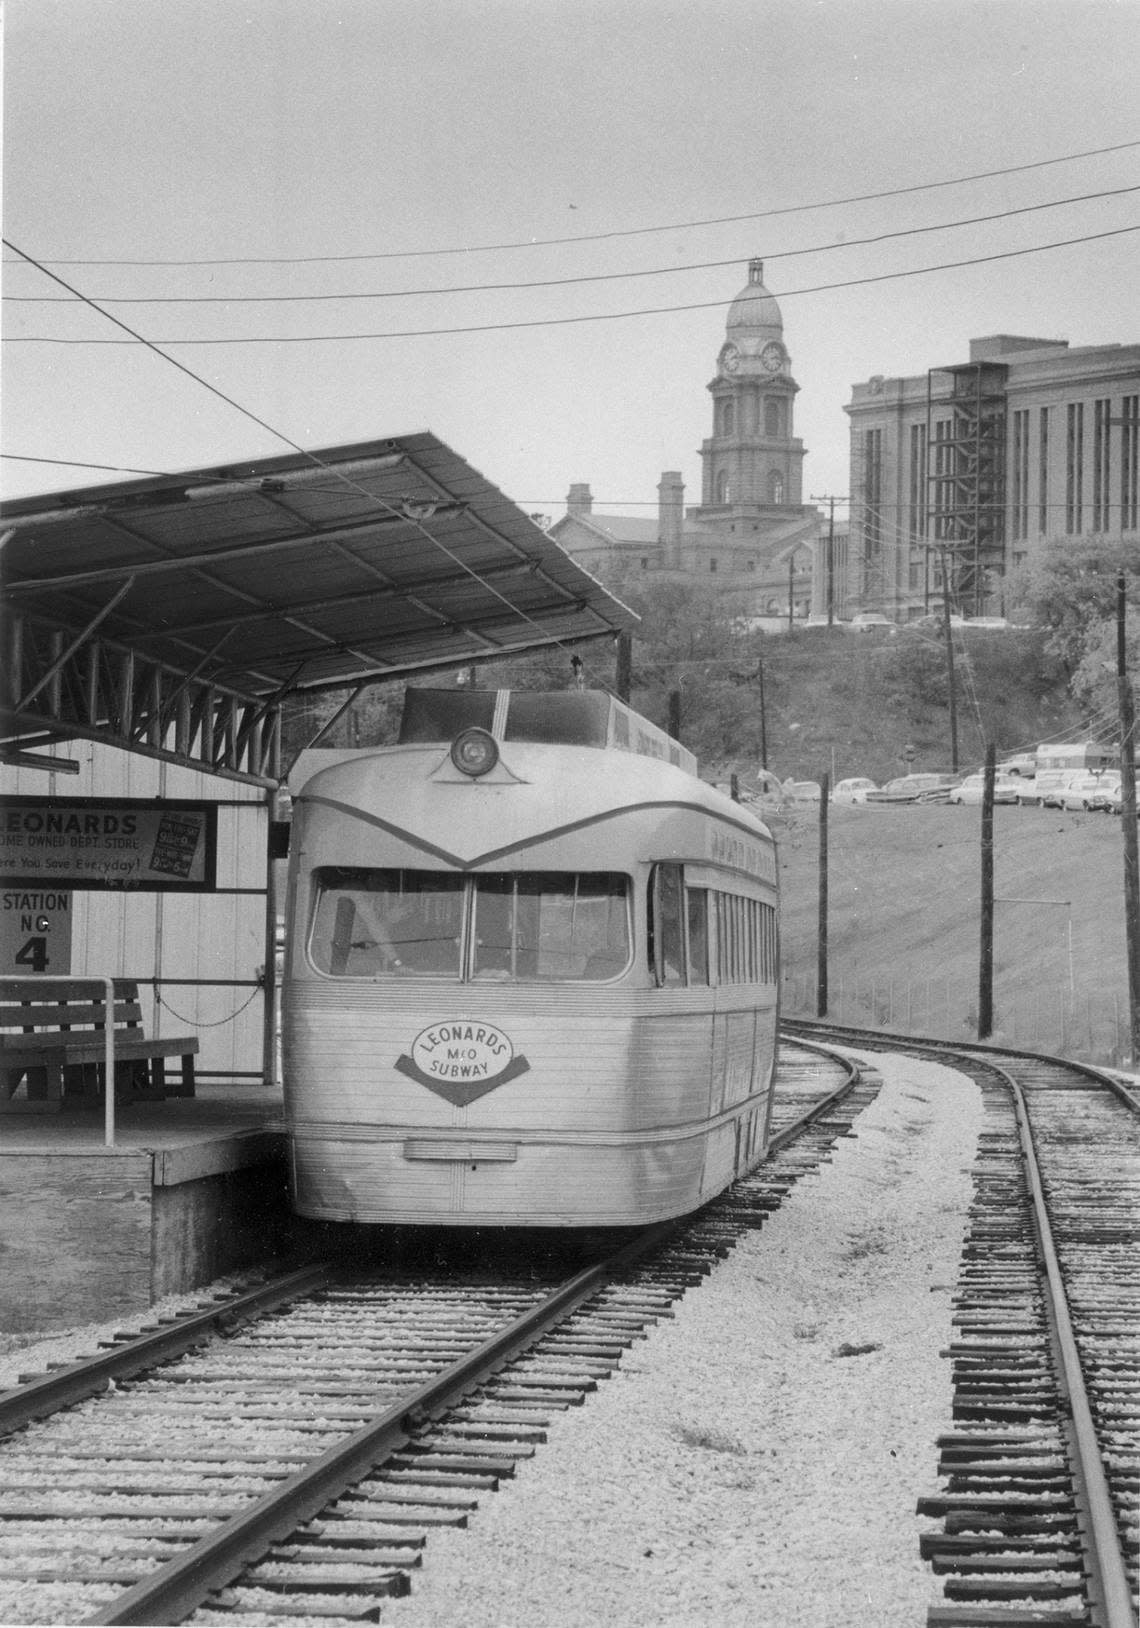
194, 1187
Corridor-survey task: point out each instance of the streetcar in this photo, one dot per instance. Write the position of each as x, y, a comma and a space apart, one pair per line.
531, 971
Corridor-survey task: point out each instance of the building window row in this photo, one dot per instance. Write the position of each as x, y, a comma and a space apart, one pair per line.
1129, 446
1074, 468
1020, 475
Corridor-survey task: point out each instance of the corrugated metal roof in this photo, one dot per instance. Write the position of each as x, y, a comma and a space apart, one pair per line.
384, 558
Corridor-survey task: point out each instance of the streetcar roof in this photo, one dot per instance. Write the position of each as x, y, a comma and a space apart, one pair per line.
536, 791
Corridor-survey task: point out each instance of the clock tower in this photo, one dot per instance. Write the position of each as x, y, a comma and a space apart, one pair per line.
752, 463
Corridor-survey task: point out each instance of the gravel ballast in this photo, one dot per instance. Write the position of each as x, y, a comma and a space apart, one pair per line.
757, 1460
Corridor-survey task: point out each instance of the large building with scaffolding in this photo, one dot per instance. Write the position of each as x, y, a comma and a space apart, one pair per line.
961, 474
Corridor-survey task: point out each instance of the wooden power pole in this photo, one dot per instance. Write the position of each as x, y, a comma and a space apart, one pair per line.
1128, 820
986, 958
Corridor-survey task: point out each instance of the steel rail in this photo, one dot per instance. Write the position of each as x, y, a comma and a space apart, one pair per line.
1108, 1578
78, 1380
906, 1042
853, 1074
175, 1589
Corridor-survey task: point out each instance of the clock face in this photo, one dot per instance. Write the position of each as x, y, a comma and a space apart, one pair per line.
730, 359
772, 357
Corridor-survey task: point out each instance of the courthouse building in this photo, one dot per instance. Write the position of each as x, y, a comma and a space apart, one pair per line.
751, 534
962, 473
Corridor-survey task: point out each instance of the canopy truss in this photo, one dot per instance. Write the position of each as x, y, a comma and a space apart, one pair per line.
173, 616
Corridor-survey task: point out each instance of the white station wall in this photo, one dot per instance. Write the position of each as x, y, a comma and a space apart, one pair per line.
206, 950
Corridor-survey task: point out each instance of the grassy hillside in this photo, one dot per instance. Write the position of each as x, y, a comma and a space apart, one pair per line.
904, 922
848, 703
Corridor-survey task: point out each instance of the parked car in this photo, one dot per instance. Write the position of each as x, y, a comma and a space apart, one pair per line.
871, 621
854, 790
1021, 764
1089, 791
972, 789
1046, 788
914, 788
1114, 797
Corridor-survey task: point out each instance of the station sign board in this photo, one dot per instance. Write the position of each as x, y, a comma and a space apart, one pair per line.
35, 930
108, 842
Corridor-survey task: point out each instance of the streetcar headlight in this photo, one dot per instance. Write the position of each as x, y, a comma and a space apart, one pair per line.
474, 752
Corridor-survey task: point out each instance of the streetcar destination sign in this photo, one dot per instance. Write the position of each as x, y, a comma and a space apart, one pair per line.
104, 842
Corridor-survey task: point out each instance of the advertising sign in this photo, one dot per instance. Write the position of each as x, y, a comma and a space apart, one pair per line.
35, 930
107, 842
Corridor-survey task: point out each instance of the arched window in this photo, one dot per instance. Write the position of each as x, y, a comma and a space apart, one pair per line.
722, 486
727, 417
775, 487
772, 425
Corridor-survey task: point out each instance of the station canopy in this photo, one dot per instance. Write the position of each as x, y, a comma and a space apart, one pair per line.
174, 615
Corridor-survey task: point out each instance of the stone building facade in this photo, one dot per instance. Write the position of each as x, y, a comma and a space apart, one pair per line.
963, 473
751, 533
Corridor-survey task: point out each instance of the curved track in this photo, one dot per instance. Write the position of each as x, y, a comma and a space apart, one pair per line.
1042, 1470
296, 1456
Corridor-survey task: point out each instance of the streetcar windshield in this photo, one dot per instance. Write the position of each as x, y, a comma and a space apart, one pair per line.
545, 925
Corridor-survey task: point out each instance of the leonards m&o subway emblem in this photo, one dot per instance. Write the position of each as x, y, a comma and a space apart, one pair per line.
462, 1059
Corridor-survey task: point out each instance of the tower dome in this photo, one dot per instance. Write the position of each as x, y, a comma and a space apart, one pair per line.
754, 314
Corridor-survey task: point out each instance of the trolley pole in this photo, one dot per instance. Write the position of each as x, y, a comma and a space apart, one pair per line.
821, 969
986, 959
1128, 820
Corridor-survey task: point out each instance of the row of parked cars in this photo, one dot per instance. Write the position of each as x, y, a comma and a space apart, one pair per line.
1051, 788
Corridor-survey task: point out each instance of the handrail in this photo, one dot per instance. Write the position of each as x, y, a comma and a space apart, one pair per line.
107, 985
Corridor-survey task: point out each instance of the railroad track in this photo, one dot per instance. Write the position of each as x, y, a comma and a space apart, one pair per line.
1040, 1502
290, 1450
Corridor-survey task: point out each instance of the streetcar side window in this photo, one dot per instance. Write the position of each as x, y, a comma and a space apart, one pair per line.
745, 939
697, 901
666, 946
395, 922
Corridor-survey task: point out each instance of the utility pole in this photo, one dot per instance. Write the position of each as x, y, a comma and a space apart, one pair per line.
791, 591
950, 663
821, 998
763, 717
1128, 819
623, 675
986, 958
831, 500
675, 714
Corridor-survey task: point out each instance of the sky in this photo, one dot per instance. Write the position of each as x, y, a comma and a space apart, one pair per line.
313, 206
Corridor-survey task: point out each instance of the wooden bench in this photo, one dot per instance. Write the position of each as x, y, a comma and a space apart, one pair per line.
52, 1040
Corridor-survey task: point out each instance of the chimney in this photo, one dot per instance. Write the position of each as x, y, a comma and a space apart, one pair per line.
670, 516
580, 500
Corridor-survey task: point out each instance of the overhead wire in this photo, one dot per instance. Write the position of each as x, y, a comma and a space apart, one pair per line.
312, 457
565, 282
558, 322
633, 231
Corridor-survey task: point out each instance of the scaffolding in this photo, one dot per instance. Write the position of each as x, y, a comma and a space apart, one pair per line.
965, 479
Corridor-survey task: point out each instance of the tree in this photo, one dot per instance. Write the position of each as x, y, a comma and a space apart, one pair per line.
1095, 681
1071, 588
